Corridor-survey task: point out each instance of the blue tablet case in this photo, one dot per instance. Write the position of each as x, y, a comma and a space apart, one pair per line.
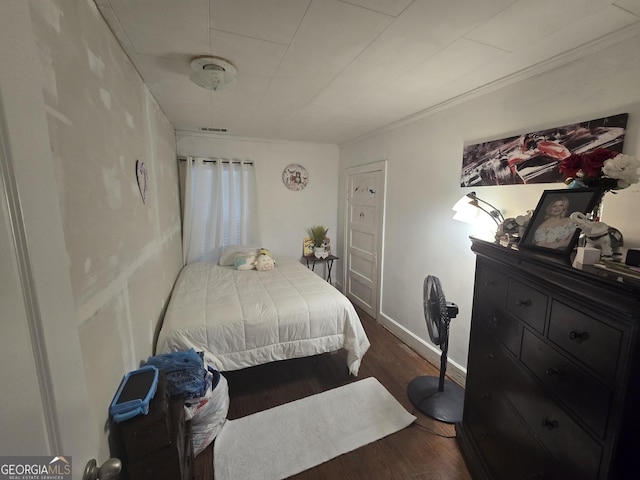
134, 394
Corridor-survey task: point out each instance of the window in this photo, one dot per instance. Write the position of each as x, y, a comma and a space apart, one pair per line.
219, 205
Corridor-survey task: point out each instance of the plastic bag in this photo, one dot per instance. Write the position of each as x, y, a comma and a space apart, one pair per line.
184, 371
209, 414
192, 405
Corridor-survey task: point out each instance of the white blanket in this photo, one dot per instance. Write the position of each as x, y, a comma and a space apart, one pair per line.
245, 318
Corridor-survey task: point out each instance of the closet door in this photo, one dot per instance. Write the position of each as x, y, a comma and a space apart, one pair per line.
365, 204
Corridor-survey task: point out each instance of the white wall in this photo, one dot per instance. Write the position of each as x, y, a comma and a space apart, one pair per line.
103, 262
424, 163
284, 214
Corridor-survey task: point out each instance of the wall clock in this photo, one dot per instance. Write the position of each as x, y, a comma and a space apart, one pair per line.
295, 177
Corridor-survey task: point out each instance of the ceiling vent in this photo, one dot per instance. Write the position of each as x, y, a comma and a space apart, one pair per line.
212, 73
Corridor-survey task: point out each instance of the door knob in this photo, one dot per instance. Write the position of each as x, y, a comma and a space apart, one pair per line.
107, 471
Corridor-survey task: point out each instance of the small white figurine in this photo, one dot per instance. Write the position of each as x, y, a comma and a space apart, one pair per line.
601, 236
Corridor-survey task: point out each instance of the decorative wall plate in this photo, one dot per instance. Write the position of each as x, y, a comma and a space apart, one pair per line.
295, 177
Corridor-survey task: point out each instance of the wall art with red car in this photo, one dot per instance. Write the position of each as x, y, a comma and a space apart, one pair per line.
535, 157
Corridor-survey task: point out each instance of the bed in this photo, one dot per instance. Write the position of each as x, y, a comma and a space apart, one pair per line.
246, 318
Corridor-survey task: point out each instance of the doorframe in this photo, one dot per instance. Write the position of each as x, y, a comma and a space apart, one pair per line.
380, 165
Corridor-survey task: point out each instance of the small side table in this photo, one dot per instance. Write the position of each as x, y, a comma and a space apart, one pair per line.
312, 260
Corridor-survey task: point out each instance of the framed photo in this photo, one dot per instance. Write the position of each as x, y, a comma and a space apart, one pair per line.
550, 228
307, 246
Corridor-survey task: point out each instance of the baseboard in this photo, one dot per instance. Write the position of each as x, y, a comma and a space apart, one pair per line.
432, 354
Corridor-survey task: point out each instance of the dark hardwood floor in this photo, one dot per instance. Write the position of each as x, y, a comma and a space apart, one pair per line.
427, 449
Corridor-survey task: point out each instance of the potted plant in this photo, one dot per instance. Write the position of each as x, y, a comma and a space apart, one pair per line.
318, 234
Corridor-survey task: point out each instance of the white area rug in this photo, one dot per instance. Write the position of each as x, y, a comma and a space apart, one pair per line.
288, 439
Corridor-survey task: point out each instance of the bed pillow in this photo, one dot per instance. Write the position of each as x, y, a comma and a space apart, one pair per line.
231, 251
245, 262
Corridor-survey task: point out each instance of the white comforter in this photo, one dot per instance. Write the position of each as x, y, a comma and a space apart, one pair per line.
246, 318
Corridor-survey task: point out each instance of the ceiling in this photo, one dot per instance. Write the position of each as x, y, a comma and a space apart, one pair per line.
330, 71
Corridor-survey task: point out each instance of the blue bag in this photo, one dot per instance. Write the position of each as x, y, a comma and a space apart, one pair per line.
184, 371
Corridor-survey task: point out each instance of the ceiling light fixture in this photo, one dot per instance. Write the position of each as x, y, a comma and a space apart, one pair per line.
212, 73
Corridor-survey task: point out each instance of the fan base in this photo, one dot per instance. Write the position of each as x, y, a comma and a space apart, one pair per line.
445, 406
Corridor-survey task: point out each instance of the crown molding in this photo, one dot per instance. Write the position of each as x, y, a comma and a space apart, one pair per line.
549, 64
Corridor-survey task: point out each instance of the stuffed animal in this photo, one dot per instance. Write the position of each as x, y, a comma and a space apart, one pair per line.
265, 260
244, 262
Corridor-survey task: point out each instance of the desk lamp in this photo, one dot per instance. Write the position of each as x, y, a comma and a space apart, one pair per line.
468, 206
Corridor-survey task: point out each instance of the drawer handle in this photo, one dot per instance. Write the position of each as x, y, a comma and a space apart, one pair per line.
578, 336
494, 321
490, 283
523, 303
485, 395
489, 356
552, 372
550, 424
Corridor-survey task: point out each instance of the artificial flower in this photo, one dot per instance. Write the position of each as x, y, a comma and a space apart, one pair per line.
571, 165
624, 168
601, 168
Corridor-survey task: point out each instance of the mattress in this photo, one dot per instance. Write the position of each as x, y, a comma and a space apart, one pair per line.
246, 318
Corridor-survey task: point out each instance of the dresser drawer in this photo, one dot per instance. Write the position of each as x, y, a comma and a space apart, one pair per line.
528, 304
493, 423
589, 399
572, 447
165, 464
591, 341
504, 328
487, 358
491, 285
492, 369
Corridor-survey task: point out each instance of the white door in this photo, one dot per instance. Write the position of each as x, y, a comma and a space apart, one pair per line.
46, 408
22, 418
365, 215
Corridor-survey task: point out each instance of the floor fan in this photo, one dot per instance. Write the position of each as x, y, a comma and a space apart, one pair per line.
437, 397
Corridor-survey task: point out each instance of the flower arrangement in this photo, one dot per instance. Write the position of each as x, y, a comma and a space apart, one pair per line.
601, 168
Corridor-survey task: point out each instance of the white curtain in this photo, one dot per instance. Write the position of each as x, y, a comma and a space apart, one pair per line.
219, 206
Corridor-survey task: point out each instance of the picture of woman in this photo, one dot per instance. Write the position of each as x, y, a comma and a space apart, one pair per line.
556, 230
550, 228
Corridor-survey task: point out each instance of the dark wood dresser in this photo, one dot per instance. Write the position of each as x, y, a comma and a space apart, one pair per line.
158, 445
553, 377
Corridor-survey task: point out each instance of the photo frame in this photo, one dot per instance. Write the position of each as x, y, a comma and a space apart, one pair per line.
307, 246
550, 229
